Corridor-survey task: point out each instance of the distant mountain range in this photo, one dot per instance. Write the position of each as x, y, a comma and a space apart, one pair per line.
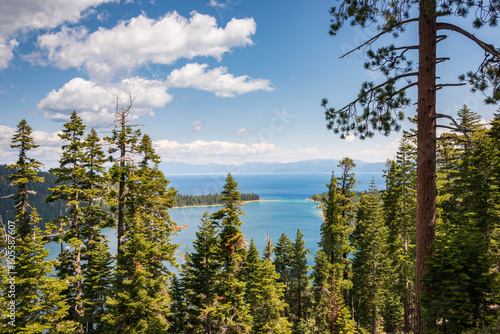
306, 166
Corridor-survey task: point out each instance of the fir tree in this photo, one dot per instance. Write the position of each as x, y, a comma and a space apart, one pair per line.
399, 200
97, 271
283, 265
299, 292
27, 286
123, 140
201, 275
266, 297
25, 172
70, 188
141, 302
233, 310
329, 310
370, 262
338, 211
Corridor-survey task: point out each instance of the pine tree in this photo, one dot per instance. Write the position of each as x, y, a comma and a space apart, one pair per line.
27, 287
97, 271
201, 275
123, 139
26, 172
70, 188
266, 298
462, 270
141, 302
299, 292
331, 315
179, 318
399, 200
233, 310
283, 265
338, 211
370, 263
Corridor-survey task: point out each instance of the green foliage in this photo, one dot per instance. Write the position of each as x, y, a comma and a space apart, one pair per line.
370, 263
299, 287
462, 275
399, 208
232, 311
210, 199
338, 211
266, 299
200, 277
30, 289
283, 266
141, 302
25, 172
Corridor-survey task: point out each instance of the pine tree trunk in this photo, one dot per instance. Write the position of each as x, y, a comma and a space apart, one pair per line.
121, 191
426, 147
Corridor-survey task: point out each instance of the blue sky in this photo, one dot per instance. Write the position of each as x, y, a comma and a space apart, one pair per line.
214, 81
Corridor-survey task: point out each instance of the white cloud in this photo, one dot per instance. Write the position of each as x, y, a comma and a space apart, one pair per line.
131, 44
48, 152
197, 125
216, 80
23, 16
210, 151
96, 104
350, 138
214, 3
241, 131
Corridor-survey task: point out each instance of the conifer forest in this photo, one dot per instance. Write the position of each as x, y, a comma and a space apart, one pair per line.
419, 255
362, 279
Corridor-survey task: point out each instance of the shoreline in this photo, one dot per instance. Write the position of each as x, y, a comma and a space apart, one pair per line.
322, 213
210, 205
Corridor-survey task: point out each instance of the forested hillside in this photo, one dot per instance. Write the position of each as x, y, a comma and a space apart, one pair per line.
38, 196
210, 199
363, 279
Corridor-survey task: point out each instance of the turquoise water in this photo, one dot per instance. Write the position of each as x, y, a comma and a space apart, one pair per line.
284, 207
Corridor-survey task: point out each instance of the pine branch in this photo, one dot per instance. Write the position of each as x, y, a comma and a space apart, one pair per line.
374, 38
486, 47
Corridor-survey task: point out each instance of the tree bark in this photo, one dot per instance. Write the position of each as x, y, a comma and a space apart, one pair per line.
426, 147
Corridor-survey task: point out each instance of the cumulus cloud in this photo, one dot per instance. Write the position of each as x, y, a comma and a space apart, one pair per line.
216, 80
134, 43
96, 104
210, 151
23, 16
48, 152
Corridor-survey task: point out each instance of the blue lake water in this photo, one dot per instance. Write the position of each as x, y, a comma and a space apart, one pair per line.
284, 207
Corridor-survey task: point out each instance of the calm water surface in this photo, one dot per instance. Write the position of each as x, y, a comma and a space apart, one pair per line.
284, 208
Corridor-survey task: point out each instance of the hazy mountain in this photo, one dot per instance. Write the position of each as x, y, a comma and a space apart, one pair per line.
306, 166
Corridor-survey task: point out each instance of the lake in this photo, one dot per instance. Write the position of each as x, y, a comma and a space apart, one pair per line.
283, 209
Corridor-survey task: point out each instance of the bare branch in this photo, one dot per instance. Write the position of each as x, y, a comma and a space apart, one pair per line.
406, 48
439, 86
458, 127
486, 47
440, 60
374, 38
441, 38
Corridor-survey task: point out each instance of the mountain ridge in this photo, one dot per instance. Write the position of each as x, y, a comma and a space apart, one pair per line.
303, 166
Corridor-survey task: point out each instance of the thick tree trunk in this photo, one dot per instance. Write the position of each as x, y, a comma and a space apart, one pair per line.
426, 147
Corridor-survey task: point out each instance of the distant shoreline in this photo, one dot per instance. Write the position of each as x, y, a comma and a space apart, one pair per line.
209, 205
